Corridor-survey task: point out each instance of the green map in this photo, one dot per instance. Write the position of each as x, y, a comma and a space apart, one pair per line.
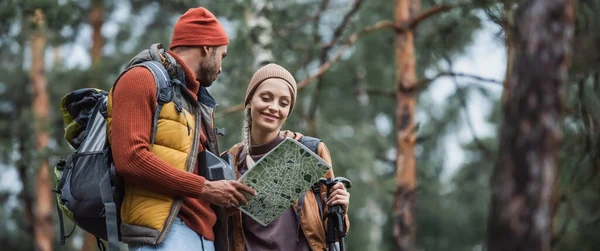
279, 178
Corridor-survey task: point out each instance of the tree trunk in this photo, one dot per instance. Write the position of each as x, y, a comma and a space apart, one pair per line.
509, 42
25, 194
404, 229
96, 17
521, 210
42, 224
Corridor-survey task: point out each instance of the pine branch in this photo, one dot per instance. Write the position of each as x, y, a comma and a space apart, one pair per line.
424, 83
501, 21
316, 40
587, 142
339, 30
312, 110
563, 229
412, 24
423, 16
463, 102
378, 92
324, 67
301, 84
585, 183
315, 18
386, 24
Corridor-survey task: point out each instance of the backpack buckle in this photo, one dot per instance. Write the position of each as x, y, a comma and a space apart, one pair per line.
176, 82
165, 95
316, 188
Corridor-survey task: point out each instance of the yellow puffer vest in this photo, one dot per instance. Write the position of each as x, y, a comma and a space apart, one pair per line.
147, 216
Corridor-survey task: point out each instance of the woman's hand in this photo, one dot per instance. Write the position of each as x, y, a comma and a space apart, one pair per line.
339, 196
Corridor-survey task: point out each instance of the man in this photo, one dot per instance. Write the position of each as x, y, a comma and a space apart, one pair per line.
167, 205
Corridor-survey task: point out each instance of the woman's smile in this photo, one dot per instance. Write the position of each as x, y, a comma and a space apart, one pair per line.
270, 117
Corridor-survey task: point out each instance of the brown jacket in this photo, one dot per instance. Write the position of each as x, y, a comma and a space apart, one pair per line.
310, 220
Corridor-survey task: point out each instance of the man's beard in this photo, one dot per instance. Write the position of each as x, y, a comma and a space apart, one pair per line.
204, 78
206, 72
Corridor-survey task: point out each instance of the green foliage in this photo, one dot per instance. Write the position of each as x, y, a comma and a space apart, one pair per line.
358, 128
579, 203
577, 218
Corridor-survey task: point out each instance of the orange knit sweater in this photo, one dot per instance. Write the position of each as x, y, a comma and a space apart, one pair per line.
134, 100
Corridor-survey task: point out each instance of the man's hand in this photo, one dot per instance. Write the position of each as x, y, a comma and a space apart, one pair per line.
226, 193
339, 196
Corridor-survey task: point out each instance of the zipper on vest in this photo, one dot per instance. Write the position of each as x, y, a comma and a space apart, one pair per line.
214, 135
180, 110
191, 162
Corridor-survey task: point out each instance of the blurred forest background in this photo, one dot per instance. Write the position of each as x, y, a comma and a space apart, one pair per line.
370, 91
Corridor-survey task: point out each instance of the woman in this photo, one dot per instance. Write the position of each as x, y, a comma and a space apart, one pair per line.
269, 100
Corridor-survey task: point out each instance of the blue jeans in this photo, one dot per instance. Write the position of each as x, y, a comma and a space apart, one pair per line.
179, 238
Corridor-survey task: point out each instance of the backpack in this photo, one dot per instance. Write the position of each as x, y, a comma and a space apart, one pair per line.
88, 190
312, 144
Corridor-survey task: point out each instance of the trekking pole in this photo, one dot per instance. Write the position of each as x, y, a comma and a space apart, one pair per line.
336, 227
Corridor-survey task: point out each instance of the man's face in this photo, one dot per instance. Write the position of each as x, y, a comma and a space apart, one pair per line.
210, 66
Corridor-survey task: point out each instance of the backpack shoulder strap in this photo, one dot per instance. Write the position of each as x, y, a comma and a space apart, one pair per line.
164, 90
110, 211
164, 87
234, 152
312, 144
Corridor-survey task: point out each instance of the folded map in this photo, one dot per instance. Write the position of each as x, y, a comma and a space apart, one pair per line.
279, 179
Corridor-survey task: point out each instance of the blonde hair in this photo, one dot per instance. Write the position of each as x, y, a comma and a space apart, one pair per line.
246, 136
246, 129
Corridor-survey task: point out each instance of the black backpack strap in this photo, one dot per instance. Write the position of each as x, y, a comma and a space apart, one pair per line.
312, 144
164, 91
110, 210
316, 188
62, 224
299, 212
67, 165
61, 221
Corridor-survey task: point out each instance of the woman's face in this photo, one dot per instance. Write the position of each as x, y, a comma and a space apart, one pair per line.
270, 105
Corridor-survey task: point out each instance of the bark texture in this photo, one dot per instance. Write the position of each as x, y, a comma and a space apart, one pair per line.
96, 17
42, 211
521, 210
404, 229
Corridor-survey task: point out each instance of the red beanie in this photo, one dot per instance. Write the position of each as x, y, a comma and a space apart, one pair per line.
198, 27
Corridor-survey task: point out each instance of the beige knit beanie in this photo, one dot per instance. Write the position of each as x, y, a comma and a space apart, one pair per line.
267, 72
